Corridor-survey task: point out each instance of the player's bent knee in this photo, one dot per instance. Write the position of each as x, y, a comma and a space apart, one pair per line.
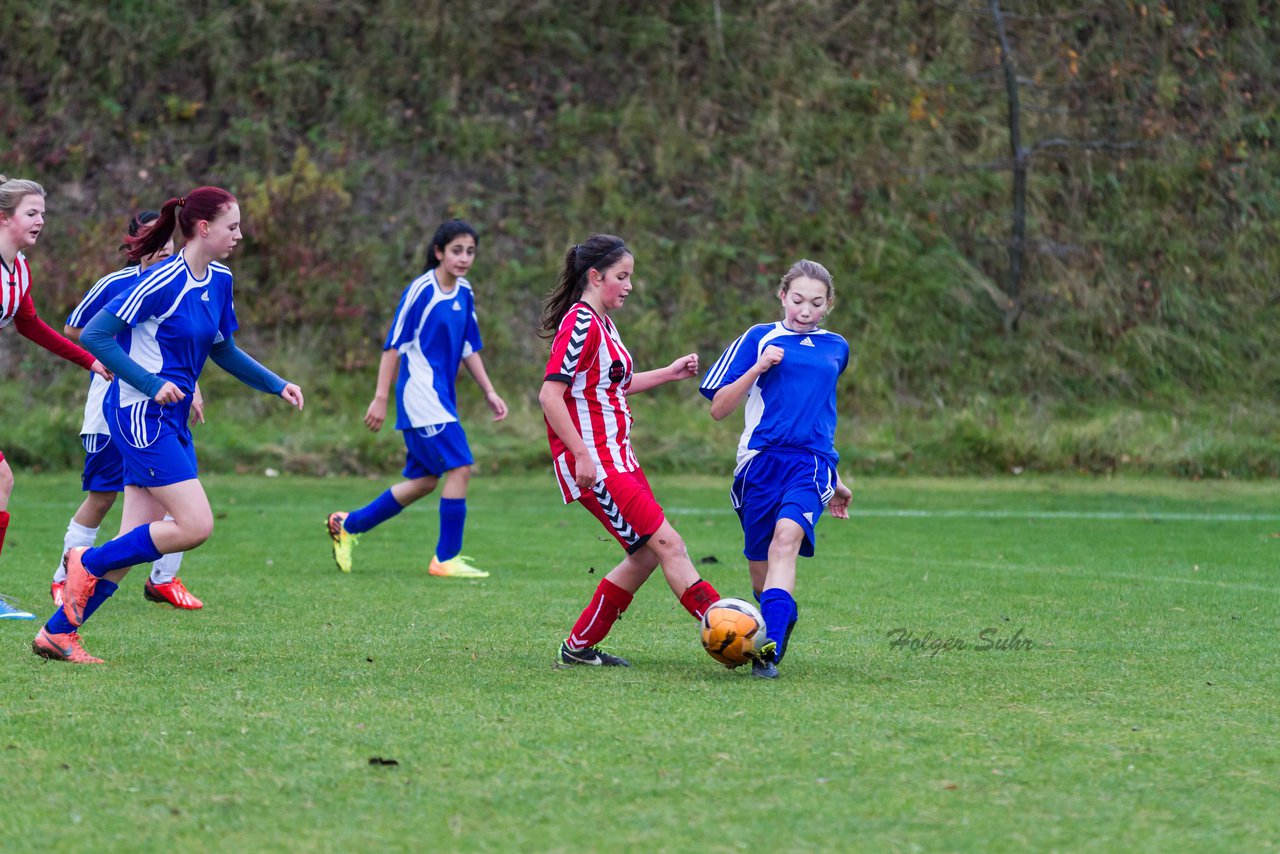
6, 480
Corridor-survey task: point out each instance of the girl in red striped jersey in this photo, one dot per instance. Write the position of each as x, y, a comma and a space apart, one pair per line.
21, 221
584, 401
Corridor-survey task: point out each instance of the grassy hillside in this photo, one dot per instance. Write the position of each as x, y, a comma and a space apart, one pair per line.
723, 140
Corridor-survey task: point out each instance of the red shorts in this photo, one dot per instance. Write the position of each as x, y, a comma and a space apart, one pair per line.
624, 504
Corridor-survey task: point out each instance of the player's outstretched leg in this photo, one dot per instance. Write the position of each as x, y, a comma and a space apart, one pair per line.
62, 647
606, 605
343, 542
780, 613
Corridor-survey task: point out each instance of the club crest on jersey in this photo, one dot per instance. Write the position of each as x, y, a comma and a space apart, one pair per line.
617, 371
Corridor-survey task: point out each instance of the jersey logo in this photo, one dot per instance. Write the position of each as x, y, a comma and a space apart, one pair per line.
457, 307
807, 342
617, 371
808, 516
204, 297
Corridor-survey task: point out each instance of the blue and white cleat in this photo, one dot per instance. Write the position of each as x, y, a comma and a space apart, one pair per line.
8, 611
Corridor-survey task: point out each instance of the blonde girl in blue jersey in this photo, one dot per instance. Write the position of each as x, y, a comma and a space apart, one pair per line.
156, 337
786, 475
433, 333
103, 476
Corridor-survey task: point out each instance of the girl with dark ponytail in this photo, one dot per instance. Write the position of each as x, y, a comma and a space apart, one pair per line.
588, 379
434, 332
178, 315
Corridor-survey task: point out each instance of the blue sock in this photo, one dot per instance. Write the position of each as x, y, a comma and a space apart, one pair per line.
101, 593
128, 549
59, 624
372, 514
780, 613
453, 517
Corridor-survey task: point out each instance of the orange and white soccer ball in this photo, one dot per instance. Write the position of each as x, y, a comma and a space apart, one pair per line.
732, 631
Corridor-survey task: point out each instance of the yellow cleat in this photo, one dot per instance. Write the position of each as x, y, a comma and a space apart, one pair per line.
343, 542
455, 567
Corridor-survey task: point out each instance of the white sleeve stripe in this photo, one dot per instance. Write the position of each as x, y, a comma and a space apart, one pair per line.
415, 291
77, 318
129, 311
721, 366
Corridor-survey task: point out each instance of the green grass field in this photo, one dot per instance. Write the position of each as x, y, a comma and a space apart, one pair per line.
1142, 716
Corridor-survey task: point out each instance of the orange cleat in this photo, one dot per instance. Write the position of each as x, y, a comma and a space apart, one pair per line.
79, 585
65, 647
55, 593
174, 592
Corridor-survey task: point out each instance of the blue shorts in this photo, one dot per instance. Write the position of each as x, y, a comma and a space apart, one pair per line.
777, 485
103, 467
155, 452
434, 450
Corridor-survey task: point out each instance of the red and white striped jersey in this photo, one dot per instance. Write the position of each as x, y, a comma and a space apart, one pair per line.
14, 285
588, 356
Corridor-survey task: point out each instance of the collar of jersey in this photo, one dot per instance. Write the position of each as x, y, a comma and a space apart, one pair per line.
817, 330
208, 273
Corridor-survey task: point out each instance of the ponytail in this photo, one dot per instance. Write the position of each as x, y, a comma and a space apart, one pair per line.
598, 252
202, 203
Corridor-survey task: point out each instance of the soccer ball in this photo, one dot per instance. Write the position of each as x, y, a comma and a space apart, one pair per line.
732, 631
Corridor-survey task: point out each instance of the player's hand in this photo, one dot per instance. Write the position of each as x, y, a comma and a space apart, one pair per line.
584, 469
839, 504
497, 404
197, 407
101, 370
771, 356
170, 393
376, 415
684, 367
293, 394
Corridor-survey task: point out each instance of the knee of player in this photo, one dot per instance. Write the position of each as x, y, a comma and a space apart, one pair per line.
787, 537
668, 544
459, 476
6, 481
198, 530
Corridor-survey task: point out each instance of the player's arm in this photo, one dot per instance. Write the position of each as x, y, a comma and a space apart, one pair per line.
71, 333
839, 503
388, 366
197, 406
551, 396
99, 338
33, 327
730, 397
475, 366
252, 373
681, 369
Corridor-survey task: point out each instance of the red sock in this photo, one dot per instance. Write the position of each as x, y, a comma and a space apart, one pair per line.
698, 598
4, 526
607, 604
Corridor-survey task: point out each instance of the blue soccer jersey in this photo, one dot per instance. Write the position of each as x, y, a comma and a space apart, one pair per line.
793, 404
174, 319
433, 330
106, 289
